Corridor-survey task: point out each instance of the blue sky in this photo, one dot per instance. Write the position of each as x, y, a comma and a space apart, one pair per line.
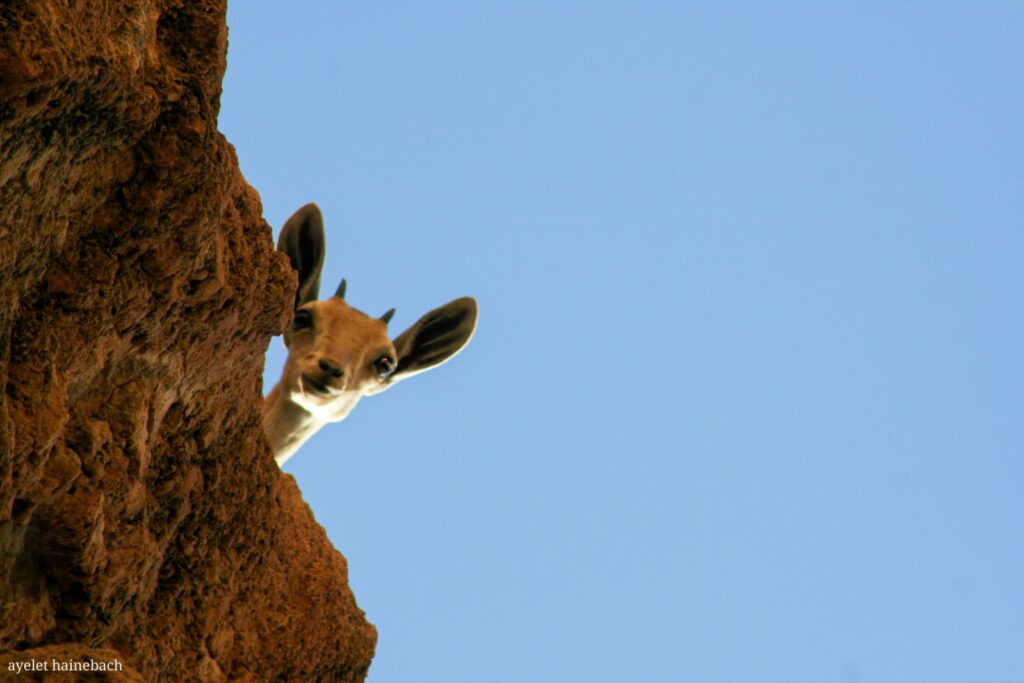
746, 399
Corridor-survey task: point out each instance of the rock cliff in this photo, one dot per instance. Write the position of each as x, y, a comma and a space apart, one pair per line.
142, 517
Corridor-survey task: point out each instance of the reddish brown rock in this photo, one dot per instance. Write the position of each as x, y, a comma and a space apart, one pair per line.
141, 514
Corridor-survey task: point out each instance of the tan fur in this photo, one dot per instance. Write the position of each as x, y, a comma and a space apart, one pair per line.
348, 339
336, 354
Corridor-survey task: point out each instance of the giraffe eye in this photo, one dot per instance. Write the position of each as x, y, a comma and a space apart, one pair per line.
303, 320
384, 366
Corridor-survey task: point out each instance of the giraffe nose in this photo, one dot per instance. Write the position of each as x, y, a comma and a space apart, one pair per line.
330, 367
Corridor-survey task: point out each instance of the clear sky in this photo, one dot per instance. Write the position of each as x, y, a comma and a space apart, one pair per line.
746, 398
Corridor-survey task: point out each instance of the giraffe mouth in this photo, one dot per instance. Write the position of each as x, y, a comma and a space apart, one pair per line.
311, 385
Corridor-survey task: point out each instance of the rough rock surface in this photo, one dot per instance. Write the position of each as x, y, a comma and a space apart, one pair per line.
141, 514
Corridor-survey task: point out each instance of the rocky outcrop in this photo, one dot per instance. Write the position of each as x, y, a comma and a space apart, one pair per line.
142, 517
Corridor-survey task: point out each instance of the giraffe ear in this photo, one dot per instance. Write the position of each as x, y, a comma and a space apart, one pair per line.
435, 338
432, 340
302, 239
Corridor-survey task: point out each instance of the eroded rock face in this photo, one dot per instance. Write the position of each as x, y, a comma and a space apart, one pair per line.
141, 512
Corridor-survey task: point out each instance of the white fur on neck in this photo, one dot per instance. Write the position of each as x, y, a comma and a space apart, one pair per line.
291, 418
